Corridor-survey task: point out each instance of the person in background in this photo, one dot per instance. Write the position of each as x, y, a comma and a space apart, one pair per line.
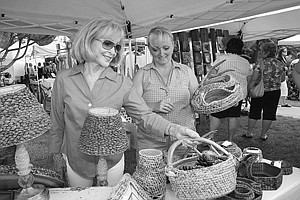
167, 88
8, 79
272, 74
281, 56
40, 71
293, 89
241, 71
91, 84
296, 74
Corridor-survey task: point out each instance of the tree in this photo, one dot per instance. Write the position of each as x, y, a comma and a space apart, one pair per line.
7, 39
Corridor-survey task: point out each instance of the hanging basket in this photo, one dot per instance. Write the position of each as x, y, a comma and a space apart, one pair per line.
201, 183
215, 94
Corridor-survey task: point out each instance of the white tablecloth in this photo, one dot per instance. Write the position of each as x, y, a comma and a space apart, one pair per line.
290, 189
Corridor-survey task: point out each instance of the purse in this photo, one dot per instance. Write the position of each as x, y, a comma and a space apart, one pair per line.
258, 90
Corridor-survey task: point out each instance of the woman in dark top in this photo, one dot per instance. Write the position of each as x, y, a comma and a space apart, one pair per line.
272, 73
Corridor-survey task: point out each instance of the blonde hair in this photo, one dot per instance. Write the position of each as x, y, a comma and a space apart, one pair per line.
96, 28
160, 31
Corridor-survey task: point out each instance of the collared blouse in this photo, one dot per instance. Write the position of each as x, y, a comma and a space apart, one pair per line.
70, 101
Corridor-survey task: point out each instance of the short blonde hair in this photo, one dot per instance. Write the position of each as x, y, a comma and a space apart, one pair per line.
81, 48
160, 31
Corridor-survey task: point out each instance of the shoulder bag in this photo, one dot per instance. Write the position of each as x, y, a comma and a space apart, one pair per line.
258, 90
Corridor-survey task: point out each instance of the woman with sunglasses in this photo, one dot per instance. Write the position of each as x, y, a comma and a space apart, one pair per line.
93, 83
167, 87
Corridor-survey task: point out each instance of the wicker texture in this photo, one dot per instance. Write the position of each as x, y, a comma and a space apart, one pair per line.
286, 167
150, 174
233, 149
215, 94
102, 133
253, 151
22, 116
201, 183
246, 189
269, 176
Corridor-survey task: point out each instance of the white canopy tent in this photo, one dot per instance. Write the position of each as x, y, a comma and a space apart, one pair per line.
279, 25
292, 41
66, 17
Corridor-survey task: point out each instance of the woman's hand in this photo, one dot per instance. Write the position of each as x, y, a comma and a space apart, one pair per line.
164, 106
181, 132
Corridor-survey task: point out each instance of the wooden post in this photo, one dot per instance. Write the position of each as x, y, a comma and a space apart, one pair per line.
212, 34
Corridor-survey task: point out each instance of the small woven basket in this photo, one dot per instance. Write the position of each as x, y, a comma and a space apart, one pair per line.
150, 174
246, 189
269, 176
201, 183
253, 151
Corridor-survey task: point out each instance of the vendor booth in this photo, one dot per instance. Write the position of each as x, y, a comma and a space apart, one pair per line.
208, 169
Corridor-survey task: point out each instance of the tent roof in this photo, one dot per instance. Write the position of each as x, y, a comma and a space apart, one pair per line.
55, 17
38, 51
280, 25
293, 41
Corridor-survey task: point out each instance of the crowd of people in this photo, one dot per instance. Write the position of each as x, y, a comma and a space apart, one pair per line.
45, 70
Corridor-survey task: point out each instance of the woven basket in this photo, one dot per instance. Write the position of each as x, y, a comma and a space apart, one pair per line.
269, 176
246, 189
233, 149
253, 151
216, 94
286, 167
201, 183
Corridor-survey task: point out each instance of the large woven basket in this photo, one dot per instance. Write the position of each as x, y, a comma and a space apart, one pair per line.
215, 94
201, 183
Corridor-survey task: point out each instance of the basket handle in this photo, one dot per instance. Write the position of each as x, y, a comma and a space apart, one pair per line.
245, 168
195, 141
210, 70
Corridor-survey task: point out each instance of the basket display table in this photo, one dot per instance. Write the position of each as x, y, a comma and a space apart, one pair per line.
290, 188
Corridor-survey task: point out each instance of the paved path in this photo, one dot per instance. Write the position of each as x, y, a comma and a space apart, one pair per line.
289, 112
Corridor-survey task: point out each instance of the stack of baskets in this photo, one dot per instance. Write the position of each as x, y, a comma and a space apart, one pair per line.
201, 183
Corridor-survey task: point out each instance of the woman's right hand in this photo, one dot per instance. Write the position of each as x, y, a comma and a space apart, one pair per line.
164, 106
181, 132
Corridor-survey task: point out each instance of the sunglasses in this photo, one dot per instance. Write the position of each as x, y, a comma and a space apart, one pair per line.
108, 45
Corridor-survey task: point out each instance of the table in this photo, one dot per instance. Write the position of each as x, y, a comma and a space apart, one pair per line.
290, 189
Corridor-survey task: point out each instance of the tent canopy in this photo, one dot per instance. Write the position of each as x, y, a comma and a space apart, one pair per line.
43, 52
55, 17
293, 41
279, 25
